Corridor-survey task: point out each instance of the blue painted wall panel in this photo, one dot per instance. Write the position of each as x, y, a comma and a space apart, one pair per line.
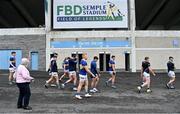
34, 60
4, 58
89, 44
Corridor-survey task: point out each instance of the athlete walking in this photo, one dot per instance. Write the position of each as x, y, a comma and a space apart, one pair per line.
72, 73
95, 80
83, 79
112, 72
171, 73
145, 72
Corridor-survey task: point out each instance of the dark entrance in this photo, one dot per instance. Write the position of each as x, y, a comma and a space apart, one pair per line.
127, 61
104, 58
79, 57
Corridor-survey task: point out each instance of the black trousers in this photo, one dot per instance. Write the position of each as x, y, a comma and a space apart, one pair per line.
24, 94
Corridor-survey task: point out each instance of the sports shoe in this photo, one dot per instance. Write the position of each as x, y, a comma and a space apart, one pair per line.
167, 86
27, 108
172, 87
46, 86
92, 91
19, 107
62, 86
139, 89
87, 95
78, 97
95, 89
10, 83
14, 81
53, 85
113, 86
148, 91
74, 89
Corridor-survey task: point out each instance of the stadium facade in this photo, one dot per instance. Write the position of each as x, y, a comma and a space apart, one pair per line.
128, 44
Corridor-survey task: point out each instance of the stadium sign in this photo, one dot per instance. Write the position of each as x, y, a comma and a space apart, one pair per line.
90, 44
69, 14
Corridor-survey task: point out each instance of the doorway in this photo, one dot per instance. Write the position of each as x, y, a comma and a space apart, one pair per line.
127, 61
104, 58
101, 61
79, 57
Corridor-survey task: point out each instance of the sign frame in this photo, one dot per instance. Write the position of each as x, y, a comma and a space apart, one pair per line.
85, 29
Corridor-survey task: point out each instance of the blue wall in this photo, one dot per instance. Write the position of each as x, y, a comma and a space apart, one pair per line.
34, 60
4, 58
89, 44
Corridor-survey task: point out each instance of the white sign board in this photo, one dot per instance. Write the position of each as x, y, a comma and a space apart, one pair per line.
85, 14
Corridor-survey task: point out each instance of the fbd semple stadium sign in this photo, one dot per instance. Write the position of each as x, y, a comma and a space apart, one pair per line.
68, 14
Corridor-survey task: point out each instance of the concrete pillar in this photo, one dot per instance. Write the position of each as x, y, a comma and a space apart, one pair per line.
47, 29
47, 4
132, 29
47, 51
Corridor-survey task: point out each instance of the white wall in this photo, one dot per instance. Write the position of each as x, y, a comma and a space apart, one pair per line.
118, 52
158, 58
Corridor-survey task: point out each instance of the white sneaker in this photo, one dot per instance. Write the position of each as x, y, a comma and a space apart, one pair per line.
78, 97
148, 91
10, 83
62, 86
88, 95
74, 89
113, 86
53, 85
92, 91
95, 89
139, 89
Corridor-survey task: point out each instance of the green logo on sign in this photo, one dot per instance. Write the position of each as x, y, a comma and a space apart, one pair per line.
69, 10
107, 12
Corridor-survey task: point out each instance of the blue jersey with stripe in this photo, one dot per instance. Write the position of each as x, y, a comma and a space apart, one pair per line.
12, 60
82, 71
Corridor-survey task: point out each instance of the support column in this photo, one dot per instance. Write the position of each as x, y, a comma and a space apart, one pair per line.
47, 4
132, 29
48, 52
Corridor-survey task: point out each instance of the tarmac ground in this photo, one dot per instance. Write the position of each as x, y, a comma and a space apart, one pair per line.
124, 99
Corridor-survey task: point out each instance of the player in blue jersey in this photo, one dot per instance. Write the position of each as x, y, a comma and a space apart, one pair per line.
83, 79
72, 73
54, 71
65, 67
112, 72
171, 73
12, 66
95, 79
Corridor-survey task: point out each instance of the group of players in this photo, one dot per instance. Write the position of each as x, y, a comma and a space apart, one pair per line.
69, 66
146, 70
